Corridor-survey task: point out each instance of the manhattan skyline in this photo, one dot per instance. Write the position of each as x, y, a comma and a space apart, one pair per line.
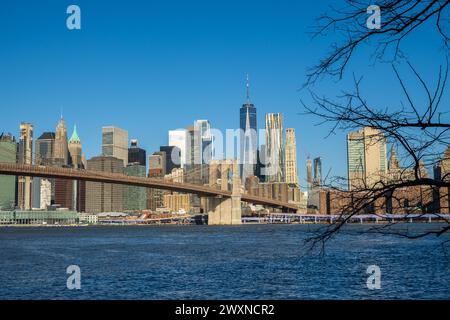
157, 69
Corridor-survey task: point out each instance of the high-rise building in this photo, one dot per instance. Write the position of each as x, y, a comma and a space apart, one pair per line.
43, 188
61, 151
317, 172
104, 197
173, 155
8, 154
291, 157
248, 137
135, 198
366, 158
157, 169
75, 149
45, 146
309, 173
136, 154
25, 156
203, 142
275, 167
115, 143
179, 139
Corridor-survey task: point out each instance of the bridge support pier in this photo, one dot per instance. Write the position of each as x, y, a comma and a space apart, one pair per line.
226, 211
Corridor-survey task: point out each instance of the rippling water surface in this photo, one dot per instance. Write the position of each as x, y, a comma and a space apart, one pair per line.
201, 262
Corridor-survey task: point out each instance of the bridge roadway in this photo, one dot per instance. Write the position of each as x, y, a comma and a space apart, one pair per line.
116, 178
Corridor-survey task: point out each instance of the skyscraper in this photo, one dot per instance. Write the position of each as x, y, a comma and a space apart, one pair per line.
309, 173
75, 149
135, 198
8, 154
45, 146
25, 156
157, 165
136, 154
42, 187
275, 170
317, 172
291, 157
248, 137
204, 142
172, 157
104, 197
179, 139
61, 151
366, 158
115, 143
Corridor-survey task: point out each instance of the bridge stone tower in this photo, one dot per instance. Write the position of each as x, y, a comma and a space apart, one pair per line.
224, 175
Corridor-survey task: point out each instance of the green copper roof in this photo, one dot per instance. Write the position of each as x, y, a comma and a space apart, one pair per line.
74, 137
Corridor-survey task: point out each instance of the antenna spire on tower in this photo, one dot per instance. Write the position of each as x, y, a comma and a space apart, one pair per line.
248, 88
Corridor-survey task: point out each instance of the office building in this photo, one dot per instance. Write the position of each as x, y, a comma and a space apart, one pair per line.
291, 157
173, 155
104, 197
45, 148
8, 154
157, 169
136, 154
76, 150
115, 143
61, 148
203, 142
179, 139
135, 198
317, 172
248, 137
309, 173
25, 156
366, 158
275, 166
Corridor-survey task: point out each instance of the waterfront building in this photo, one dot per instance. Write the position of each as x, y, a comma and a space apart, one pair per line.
291, 157
178, 202
8, 154
248, 137
104, 197
179, 139
366, 158
275, 166
25, 156
136, 154
115, 143
61, 149
135, 198
173, 155
59, 217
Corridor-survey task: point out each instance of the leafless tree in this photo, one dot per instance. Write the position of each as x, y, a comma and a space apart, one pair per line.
419, 129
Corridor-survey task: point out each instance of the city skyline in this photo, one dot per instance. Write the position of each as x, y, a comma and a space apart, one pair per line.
134, 78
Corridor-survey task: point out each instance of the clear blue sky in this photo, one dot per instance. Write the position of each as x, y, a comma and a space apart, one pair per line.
152, 66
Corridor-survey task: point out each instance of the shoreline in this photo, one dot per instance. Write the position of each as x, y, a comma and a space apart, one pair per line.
118, 225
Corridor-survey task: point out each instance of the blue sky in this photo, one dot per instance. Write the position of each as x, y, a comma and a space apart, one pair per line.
152, 66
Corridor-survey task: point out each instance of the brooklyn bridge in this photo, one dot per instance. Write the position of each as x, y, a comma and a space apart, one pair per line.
224, 206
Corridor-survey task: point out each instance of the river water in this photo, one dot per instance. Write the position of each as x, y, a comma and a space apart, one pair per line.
201, 262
